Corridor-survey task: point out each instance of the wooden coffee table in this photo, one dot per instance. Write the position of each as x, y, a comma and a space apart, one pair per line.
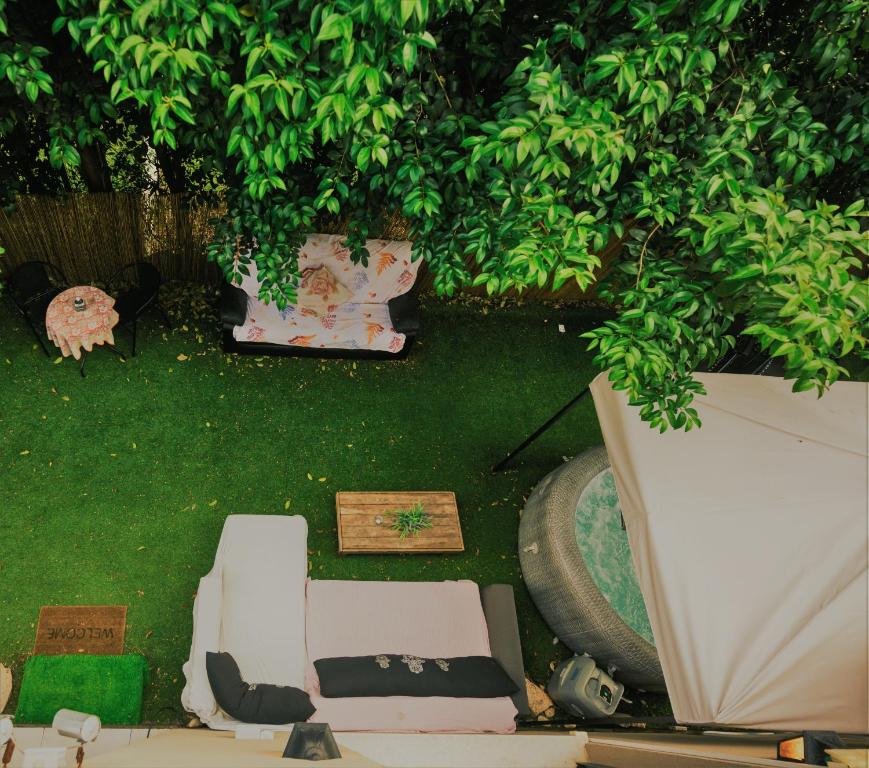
359, 532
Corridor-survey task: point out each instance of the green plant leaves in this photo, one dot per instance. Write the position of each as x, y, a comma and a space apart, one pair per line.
334, 26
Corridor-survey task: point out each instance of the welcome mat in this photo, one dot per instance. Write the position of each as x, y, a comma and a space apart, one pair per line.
93, 629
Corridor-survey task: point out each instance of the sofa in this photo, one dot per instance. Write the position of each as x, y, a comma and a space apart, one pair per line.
373, 315
258, 605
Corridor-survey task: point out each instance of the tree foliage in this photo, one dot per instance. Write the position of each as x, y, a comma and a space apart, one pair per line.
722, 141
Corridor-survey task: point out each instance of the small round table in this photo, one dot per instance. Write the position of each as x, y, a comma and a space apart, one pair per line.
75, 331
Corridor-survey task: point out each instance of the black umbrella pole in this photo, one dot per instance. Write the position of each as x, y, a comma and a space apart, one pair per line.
507, 460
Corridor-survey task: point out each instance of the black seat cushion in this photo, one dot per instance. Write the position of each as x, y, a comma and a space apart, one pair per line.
254, 703
475, 677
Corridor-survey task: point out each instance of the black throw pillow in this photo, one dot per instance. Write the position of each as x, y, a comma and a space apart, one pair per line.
258, 702
474, 677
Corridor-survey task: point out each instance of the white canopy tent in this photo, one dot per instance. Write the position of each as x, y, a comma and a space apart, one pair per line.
749, 538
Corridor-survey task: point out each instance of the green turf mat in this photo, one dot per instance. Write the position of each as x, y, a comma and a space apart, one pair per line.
107, 686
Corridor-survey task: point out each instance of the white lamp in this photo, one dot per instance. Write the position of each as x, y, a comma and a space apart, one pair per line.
82, 727
7, 745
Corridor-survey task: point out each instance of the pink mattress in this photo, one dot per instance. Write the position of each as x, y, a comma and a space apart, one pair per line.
428, 619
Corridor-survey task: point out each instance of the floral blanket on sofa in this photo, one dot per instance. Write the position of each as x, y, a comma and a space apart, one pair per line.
361, 322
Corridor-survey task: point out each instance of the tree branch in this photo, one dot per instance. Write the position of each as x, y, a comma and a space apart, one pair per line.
643, 253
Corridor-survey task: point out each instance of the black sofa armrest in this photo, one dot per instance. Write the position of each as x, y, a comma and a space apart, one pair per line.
499, 607
404, 313
233, 306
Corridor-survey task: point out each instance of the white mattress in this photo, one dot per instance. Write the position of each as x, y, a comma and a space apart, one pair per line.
428, 619
263, 571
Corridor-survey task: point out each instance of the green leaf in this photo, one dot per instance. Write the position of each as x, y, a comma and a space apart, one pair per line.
332, 28
733, 10
233, 143
183, 113
355, 76
129, 42
282, 102
299, 98
408, 56
746, 273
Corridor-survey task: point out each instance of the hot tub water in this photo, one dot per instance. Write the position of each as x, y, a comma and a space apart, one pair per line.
604, 546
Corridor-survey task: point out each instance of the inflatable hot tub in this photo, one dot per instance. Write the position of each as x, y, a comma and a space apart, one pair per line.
577, 565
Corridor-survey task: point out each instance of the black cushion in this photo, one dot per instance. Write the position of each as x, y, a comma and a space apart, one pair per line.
256, 703
477, 677
404, 314
233, 305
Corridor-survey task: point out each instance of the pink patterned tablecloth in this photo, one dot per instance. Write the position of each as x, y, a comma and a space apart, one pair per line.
74, 330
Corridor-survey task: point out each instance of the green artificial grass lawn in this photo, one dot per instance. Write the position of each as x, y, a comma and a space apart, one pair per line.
107, 686
115, 487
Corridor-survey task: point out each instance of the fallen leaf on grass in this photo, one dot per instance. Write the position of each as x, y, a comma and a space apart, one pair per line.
58, 360
322, 479
139, 549
287, 504
182, 357
23, 453
65, 397
212, 503
310, 476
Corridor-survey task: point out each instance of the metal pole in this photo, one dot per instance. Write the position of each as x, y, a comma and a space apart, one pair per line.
539, 431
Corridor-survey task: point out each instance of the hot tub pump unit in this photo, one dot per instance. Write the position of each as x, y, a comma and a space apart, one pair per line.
579, 686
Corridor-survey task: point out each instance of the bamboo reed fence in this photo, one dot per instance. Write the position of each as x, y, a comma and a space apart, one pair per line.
90, 236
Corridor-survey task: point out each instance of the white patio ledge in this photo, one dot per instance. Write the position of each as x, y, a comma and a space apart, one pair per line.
186, 748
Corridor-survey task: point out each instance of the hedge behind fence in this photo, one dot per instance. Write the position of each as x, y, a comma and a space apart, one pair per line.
90, 236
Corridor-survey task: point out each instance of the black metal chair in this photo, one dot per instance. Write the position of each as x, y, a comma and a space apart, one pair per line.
141, 290
32, 286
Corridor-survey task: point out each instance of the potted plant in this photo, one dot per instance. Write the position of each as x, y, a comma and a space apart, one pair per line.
409, 522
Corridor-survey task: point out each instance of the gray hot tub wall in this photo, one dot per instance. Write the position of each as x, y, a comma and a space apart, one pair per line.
563, 589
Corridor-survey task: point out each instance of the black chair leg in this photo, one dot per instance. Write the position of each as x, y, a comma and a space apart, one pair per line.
135, 326
165, 315
38, 336
84, 357
118, 352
